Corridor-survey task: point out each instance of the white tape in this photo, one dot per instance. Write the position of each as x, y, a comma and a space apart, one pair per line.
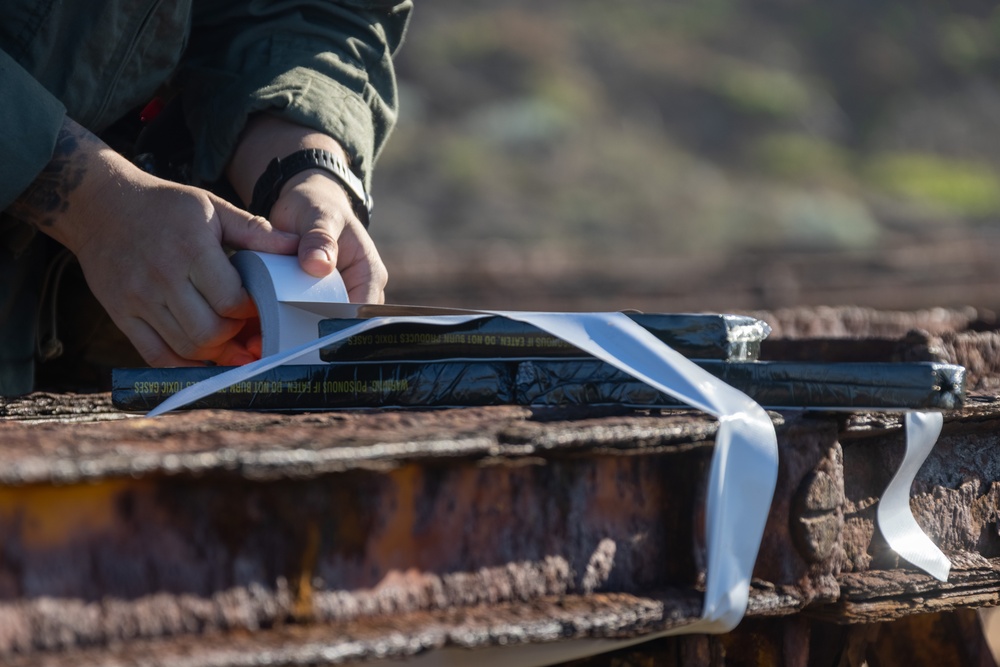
744, 464
895, 518
275, 280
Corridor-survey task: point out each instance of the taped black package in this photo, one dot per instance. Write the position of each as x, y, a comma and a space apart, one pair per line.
696, 336
919, 385
775, 384
325, 386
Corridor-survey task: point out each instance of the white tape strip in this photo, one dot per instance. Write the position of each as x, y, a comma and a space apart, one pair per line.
276, 280
744, 464
745, 460
895, 518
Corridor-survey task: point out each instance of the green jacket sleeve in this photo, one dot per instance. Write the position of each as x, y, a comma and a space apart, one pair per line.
31, 118
326, 65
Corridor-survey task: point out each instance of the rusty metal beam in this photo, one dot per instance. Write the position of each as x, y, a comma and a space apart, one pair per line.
217, 522
219, 538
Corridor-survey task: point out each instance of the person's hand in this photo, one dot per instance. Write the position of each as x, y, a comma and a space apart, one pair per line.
151, 250
312, 204
316, 207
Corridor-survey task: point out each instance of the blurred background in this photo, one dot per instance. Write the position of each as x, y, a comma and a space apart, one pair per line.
694, 155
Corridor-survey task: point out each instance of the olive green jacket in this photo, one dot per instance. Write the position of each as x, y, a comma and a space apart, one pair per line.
325, 64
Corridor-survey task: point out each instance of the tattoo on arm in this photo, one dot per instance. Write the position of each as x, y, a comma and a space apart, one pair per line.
48, 195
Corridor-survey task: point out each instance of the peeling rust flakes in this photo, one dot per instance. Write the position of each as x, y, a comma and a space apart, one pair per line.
369, 543
400, 636
385, 533
817, 525
263, 446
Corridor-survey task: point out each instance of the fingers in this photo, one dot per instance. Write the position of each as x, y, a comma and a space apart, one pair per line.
205, 312
199, 308
191, 327
163, 343
219, 284
190, 331
194, 301
252, 232
233, 353
353, 254
153, 349
156, 352
360, 266
182, 303
318, 249
166, 280
243, 348
331, 236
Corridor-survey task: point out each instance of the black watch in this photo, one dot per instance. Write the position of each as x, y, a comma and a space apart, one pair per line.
269, 185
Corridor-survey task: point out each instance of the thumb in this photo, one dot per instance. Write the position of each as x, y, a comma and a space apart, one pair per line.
244, 231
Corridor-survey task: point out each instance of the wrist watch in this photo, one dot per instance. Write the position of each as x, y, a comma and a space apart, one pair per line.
279, 171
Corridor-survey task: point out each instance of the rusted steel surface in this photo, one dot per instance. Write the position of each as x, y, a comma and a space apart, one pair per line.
260, 445
466, 630
887, 595
233, 523
208, 522
225, 538
864, 323
62, 408
803, 641
954, 496
400, 635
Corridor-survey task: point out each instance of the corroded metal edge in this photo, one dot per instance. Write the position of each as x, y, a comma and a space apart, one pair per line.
542, 621
886, 595
602, 507
813, 468
271, 446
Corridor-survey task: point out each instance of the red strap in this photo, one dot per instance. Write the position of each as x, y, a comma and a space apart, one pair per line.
151, 110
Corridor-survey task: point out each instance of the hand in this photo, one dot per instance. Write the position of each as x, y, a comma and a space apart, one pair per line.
312, 204
315, 206
151, 250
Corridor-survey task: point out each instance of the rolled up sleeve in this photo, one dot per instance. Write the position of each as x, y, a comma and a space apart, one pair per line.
324, 65
31, 118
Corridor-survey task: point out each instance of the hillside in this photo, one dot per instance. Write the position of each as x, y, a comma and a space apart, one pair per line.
649, 141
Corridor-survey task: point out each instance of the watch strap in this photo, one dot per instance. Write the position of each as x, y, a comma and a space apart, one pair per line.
279, 171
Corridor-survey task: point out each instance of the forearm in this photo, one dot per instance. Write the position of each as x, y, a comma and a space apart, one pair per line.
265, 138
57, 201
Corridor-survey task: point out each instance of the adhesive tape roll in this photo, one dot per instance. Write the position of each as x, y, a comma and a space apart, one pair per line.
274, 281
